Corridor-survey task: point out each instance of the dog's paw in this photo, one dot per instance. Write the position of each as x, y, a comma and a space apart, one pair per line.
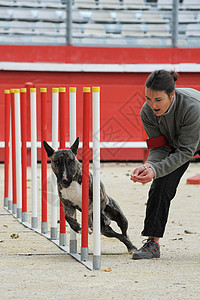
76, 228
90, 230
132, 249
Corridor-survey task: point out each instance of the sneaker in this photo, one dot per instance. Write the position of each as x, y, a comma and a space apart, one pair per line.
150, 249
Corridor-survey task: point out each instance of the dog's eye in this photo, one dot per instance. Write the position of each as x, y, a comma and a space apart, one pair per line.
57, 162
69, 160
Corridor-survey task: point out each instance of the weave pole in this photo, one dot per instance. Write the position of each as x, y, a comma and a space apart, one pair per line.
6, 149
23, 98
72, 115
85, 172
54, 197
10, 180
34, 218
18, 153
14, 191
96, 179
58, 111
28, 86
44, 224
62, 119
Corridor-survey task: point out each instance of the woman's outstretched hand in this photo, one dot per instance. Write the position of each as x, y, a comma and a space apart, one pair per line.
142, 174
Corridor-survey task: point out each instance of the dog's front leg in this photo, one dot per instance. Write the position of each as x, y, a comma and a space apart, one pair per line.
69, 213
90, 219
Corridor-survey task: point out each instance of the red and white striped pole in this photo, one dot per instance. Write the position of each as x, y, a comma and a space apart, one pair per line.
44, 224
72, 116
23, 99
96, 180
62, 130
34, 218
10, 179
85, 171
14, 191
18, 153
54, 201
28, 86
6, 149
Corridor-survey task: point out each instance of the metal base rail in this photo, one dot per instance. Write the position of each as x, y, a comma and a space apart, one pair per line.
76, 256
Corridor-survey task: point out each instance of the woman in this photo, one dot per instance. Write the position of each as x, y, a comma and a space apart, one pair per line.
171, 119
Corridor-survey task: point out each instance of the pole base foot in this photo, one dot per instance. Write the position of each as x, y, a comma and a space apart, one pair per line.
24, 217
84, 254
73, 246
34, 222
62, 239
44, 227
10, 205
6, 202
53, 233
14, 209
19, 213
96, 262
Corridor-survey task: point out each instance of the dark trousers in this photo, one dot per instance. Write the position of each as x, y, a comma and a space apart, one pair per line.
161, 193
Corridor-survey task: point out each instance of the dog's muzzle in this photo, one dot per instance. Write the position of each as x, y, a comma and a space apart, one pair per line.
65, 183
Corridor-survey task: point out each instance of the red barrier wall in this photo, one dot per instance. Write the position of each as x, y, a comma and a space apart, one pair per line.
122, 94
101, 55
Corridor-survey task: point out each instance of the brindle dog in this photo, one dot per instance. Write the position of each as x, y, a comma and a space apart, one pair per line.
68, 171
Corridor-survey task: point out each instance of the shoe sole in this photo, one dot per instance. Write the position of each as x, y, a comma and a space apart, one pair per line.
137, 257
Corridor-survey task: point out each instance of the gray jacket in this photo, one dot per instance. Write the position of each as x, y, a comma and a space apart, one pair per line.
180, 125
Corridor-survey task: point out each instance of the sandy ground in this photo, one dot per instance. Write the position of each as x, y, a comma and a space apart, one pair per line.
176, 275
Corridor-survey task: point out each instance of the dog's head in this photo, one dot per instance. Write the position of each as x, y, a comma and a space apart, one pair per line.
63, 162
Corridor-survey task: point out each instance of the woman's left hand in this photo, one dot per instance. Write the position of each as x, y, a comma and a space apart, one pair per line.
143, 177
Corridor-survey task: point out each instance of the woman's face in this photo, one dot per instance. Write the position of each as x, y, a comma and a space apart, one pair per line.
159, 101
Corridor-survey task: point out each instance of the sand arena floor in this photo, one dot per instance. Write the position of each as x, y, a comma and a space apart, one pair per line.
58, 276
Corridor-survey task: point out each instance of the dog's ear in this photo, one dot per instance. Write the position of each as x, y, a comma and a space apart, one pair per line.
74, 147
50, 151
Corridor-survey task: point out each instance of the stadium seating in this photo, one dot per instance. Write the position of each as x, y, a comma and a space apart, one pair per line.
23, 27
104, 22
45, 28
186, 17
132, 30
191, 4
127, 17
158, 30
5, 14
101, 16
137, 4
117, 42
25, 14
90, 4
150, 42
152, 17
181, 42
8, 3
193, 30
30, 4
111, 4
164, 4
95, 30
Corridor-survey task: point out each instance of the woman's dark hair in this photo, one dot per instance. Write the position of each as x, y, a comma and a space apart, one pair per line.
162, 80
